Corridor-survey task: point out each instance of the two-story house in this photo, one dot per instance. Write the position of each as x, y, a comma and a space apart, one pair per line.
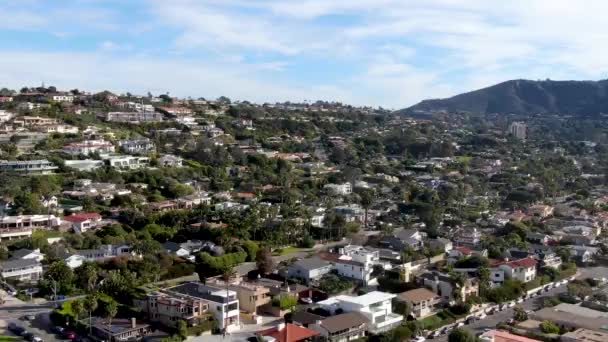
357, 262
23, 270
446, 288
376, 306
168, 310
523, 270
421, 301
82, 222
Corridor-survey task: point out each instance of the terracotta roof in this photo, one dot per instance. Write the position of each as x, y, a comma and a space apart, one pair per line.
526, 262
344, 321
504, 336
417, 295
464, 250
289, 333
82, 217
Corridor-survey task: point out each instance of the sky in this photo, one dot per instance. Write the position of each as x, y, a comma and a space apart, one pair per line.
389, 53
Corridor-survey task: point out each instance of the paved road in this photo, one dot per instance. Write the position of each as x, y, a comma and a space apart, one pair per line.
491, 321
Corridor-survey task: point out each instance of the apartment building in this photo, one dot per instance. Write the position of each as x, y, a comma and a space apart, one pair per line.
421, 301
28, 167
89, 147
169, 309
223, 304
376, 306
23, 270
134, 117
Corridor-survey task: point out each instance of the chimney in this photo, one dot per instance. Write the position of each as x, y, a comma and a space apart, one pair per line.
133, 322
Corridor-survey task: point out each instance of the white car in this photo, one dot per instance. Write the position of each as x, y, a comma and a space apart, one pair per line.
418, 339
511, 304
461, 324
482, 316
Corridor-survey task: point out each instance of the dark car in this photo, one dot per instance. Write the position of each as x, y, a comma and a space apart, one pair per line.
58, 329
28, 336
15, 329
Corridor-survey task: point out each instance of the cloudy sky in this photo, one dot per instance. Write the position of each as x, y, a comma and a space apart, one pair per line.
389, 53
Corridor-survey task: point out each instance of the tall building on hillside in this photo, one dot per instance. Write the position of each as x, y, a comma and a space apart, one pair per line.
519, 130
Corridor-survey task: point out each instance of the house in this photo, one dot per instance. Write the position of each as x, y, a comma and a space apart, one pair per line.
523, 270
339, 189
376, 306
541, 211
444, 286
168, 309
468, 237
421, 301
442, 244
134, 117
137, 146
404, 238
169, 160
28, 167
584, 335
103, 253
252, 296
23, 254
127, 162
343, 327
88, 147
357, 263
223, 304
505, 336
583, 254
84, 164
538, 238
118, 329
287, 332
29, 221
550, 259
310, 269
306, 319
23, 270
82, 222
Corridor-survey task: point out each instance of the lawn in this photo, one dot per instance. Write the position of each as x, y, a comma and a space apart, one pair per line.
8, 338
436, 321
291, 250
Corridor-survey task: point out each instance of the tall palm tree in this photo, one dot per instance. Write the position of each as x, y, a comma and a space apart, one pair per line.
111, 311
90, 304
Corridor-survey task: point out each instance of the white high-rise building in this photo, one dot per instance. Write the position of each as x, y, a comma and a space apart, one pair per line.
519, 130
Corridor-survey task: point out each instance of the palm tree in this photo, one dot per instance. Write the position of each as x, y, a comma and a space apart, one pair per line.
77, 309
90, 304
227, 274
111, 311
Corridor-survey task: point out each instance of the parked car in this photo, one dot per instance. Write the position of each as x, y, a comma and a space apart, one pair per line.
29, 317
70, 335
418, 339
15, 329
482, 316
459, 325
37, 339
58, 329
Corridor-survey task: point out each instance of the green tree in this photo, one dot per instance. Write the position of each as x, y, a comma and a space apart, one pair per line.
461, 335
27, 203
549, 327
111, 311
77, 308
264, 262
252, 249
90, 304
520, 314
182, 329
58, 279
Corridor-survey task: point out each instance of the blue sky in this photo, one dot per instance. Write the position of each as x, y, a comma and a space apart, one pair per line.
390, 53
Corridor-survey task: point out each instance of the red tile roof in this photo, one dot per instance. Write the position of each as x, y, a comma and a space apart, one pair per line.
82, 217
526, 263
505, 336
289, 333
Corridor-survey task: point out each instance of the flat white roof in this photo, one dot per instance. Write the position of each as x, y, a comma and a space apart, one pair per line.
364, 300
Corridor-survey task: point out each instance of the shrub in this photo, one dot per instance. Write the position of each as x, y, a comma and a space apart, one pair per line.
549, 327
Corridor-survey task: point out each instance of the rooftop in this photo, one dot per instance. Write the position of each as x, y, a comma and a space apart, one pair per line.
504, 336
417, 295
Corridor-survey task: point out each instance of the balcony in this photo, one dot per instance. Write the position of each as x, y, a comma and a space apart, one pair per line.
390, 321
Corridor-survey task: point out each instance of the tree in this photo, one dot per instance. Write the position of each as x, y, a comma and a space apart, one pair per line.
77, 308
252, 249
549, 327
264, 261
27, 203
461, 335
86, 276
111, 311
90, 304
182, 329
58, 279
367, 199
520, 314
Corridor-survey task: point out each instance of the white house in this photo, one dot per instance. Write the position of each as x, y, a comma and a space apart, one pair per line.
82, 222
357, 262
25, 270
376, 306
169, 160
23, 254
523, 270
309, 269
103, 253
339, 189
87, 147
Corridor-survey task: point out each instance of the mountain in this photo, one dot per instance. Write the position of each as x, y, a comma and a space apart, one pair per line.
524, 97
